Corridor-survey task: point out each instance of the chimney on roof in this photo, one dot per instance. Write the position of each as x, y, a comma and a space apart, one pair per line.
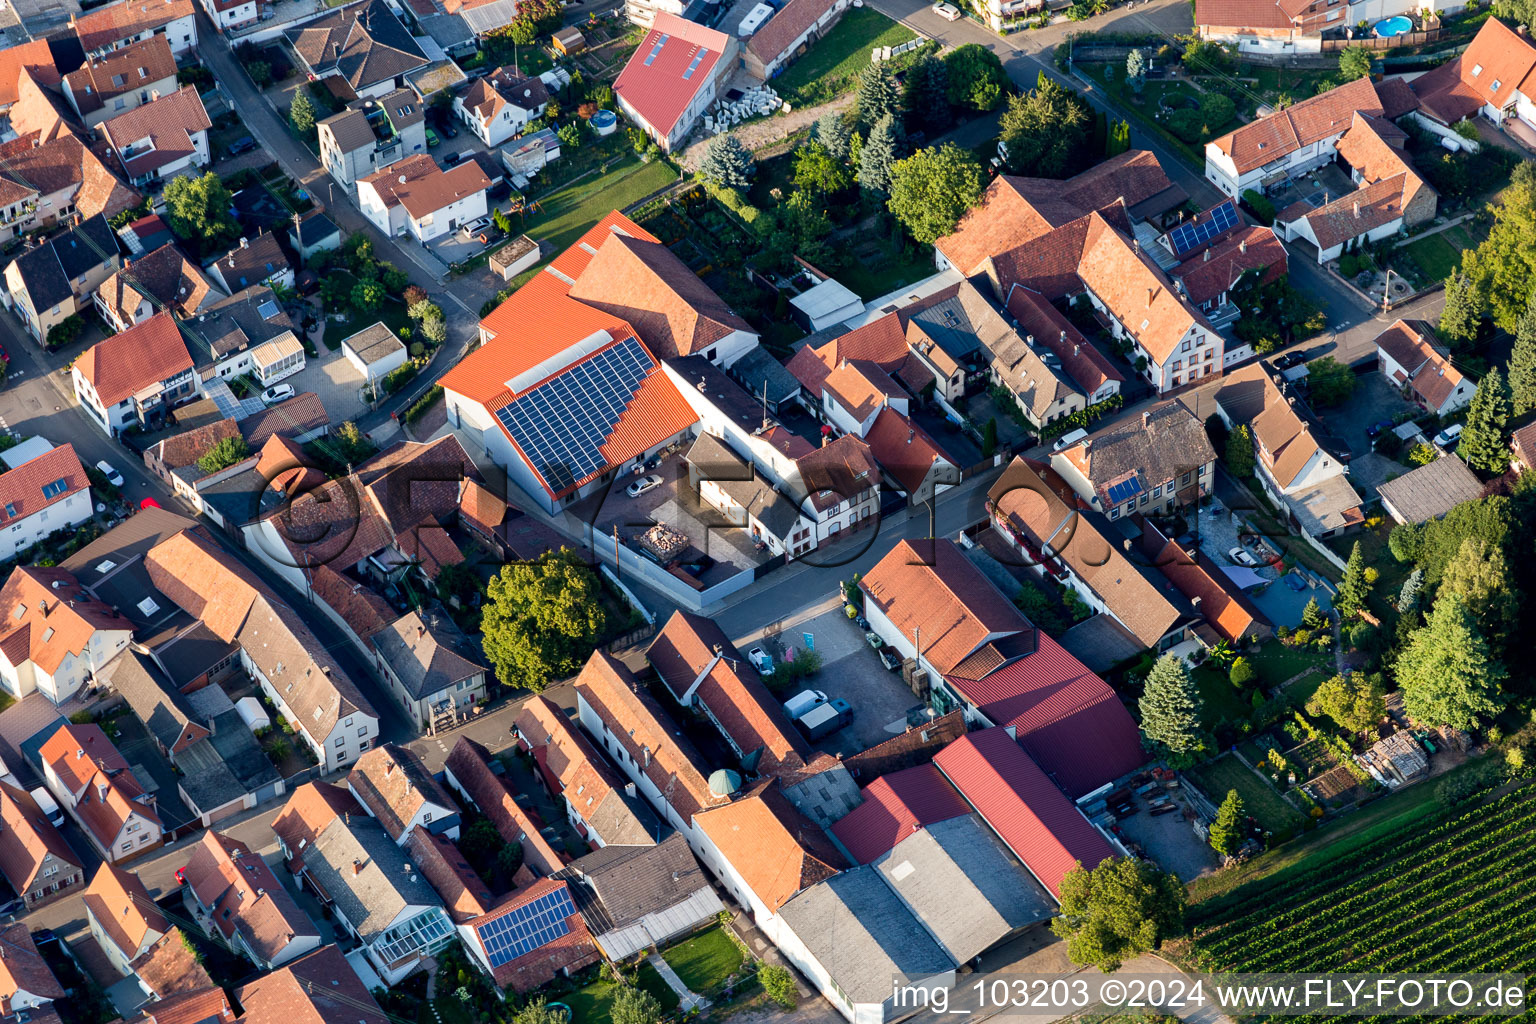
389, 768
1150, 292
1206, 256
244, 243
1520, 30
1146, 418
1357, 209
101, 791
910, 435
1242, 246
357, 867
645, 756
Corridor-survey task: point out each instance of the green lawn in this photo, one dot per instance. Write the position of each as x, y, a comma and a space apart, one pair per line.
1299, 83
1143, 112
832, 66
566, 215
880, 267
1435, 257
707, 959
1219, 699
1302, 689
1334, 842
1259, 797
1277, 663
590, 1004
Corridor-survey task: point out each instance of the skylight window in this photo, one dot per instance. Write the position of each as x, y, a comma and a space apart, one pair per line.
656, 50
698, 58
106, 566
1495, 86
1477, 69
149, 606
47, 634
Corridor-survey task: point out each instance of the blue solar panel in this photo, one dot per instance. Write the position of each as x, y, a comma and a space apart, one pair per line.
1187, 237
527, 928
1124, 491
562, 424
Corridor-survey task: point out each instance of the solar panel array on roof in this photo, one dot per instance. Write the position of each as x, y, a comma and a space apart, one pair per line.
562, 423
527, 928
1124, 491
1187, 237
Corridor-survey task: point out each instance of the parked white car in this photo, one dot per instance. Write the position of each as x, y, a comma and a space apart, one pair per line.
113, 476
642, 485
949, 12
1241, 557
277, 393
803, 701
1449, 436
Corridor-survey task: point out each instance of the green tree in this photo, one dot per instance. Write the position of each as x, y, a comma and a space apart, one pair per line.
478, 842
1242, 672
570, 134
435, 330
926, 94
501, 220
932, 189
1136, 69
458, 582
1046, 131
199, 210
225, 453
832, 131
1480, 576
1432, 545
1119, 138
1239, 453
728, 163
537, 1011
1170, 713
301, 113
367, 296
1354, 62
879, 156
523, 32
976, 77
509, 857
779, 984
1354, 701
804, 220
542, 619
1522, 364
816, 170
260, 72
1502, 270
1312, 616
1462, 316
1354, 589
1117, 910
633, 1005
1329, 381
1485, 440
1412, 589
878, 97
1446, 672
1230, 829
424, 309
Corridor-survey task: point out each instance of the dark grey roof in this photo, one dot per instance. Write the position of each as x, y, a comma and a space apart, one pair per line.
861, 932
300, 414
239, 749
630, 882
206, 780
351, 129
759, 367
427, 655
314, 229
163, 710
238, 499
1161, 444
723, 393
961, 882
49, 269
1432, 490
190, 652
365, 44
747, 487
249, 317
447, 30
403, 108
949, 324
1100, 642
385, 883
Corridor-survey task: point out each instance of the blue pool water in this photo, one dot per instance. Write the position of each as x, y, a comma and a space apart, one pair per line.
1393, 26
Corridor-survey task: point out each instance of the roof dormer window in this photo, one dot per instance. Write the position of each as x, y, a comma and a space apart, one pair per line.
1495, 86
1477, 69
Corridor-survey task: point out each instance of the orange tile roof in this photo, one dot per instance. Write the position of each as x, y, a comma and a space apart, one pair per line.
22, 969
244, 897
309, 809
199, 1006
647, 734
1136, 292
1241, 14
469, 764
44, 622
120, 72
121, 905
422, 187
775, 849
27, 840
126, 363
464, 893
932, 587
393, 783
1364, 210
105, 26
1276, 135
21, 489
36, 57
837, 471
903, 449
320, 988
648, 287
170, 967
861, 387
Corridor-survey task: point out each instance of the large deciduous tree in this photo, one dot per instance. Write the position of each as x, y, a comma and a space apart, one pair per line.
1354, 701
1117, 910
1354, 62
1447, 674
976, 77
541, 619
932, 189
199, 210
1046, 131
1479, 575
1170, 712
1503, 268
1331, 382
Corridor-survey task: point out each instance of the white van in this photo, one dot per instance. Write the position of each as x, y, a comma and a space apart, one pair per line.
1449, 436
1069, 439
48, 805
800, 703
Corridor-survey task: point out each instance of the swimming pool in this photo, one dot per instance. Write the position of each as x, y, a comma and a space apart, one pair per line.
1394, 26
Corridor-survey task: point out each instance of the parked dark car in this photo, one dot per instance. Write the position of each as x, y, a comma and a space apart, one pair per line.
1289, 360
445, 125
244, 144
1376, 429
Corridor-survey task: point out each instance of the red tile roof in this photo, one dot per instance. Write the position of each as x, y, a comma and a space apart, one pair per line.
785, 27
21, 489
22, 969
1070, 721
36, 57
931, 586
903, 449
105, 26
1230, 613
882, 342
1312, 120
170, 123
1084, 363
1241, 14
125, 363
309, 809
1042, 827
775, 849
894, 807
1208, 273
470, 765
731, 690
567, 954
464, 893
652, 83
27, 840
244, 897
320, 988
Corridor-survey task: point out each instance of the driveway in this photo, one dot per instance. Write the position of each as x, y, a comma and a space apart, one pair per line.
335, 380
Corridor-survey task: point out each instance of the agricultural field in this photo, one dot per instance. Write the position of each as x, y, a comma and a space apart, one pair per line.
1454, 893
